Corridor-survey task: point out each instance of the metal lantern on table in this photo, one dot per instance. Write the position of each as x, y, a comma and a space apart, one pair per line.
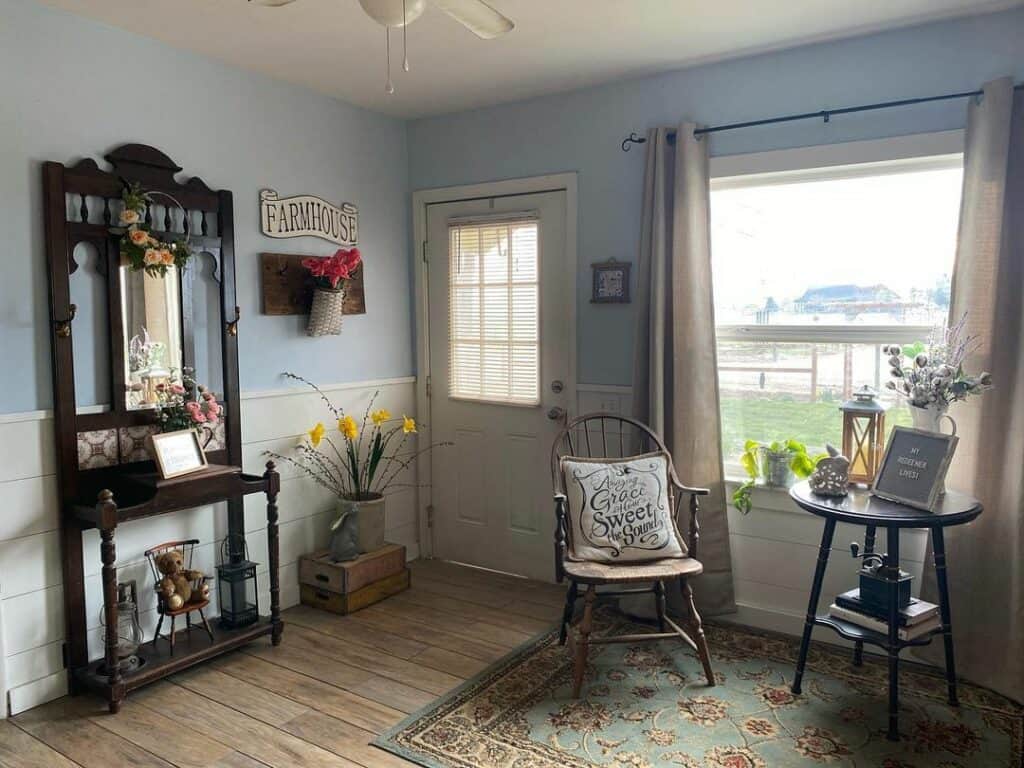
236, 585
863, 433
129, 630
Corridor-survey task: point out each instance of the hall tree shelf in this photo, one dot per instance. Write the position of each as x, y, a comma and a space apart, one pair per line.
116, 483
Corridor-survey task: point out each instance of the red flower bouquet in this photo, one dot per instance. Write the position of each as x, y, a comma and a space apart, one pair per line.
331, 270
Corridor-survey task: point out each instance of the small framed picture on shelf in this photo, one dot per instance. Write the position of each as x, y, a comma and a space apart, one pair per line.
611, 282
178, 453
913, 469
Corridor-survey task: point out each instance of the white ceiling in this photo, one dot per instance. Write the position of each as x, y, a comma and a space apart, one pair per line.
558, 45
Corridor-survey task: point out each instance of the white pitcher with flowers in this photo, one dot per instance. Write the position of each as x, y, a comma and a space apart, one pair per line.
931, 377
359, 462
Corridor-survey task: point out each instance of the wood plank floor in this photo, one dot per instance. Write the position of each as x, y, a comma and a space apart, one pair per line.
316, 700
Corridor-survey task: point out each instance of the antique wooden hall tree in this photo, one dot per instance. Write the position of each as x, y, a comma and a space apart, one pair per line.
105, 475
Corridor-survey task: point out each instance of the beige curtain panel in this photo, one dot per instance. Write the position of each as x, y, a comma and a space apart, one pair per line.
986, 558
675, 378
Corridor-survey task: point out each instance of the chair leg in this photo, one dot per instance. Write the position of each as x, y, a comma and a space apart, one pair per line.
583, 644
206, 624
697, 630
156, 635
659, 602
570, 604
172, 634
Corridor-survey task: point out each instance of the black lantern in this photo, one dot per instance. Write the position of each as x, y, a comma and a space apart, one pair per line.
236, 584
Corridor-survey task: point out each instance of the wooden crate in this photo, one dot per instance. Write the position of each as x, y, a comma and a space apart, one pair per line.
335, 602
317, 570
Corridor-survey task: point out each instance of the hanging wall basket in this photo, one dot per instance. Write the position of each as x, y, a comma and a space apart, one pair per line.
327, 312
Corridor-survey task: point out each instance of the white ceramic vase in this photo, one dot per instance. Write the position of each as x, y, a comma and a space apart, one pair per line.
370, 514
930, 418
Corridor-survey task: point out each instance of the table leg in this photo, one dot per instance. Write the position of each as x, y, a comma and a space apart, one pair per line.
894, 638
108, 556
812, 603
939, 552
273, 552
869, 547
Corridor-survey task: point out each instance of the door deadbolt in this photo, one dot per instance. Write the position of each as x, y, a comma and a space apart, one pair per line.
557, 386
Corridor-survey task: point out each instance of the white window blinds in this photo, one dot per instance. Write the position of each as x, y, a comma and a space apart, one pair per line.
494, 310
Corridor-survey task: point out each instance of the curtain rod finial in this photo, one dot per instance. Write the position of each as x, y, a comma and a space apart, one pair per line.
632, 139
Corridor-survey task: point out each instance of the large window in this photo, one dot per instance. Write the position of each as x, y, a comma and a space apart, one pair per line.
814, 272
494, 321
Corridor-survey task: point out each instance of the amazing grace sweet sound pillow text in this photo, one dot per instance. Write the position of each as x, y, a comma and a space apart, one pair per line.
619, 509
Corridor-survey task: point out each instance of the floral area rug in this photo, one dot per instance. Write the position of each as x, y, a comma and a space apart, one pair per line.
648, 706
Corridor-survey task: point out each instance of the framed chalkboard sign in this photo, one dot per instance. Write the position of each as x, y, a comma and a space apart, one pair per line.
914, 467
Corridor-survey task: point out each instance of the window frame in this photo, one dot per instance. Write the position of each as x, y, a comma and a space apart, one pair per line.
927, 151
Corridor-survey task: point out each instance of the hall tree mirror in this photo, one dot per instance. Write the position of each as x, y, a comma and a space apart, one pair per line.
150, 333
133, 311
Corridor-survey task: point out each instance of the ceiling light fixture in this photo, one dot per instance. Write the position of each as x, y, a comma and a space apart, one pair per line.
475, 15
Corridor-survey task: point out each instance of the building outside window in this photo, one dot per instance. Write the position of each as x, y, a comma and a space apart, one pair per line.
815, 270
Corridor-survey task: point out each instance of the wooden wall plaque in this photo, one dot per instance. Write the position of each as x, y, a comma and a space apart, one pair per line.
288, 286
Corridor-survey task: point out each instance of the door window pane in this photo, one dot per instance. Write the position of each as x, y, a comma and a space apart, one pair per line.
494, 312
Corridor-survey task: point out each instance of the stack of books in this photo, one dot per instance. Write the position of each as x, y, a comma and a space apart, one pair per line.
916, 619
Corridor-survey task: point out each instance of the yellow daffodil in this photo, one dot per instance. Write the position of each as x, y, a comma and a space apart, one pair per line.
316, 434
348, 427
408, 424
379, 417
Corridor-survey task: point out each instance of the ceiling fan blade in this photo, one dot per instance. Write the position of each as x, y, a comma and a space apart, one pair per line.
273, 3
477, 16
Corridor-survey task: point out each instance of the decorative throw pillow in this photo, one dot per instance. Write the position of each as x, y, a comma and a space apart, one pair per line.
619, 509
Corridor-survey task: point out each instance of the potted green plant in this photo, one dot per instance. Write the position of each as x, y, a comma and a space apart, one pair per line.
776, 462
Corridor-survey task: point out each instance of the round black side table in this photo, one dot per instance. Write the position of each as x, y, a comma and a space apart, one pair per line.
859, 507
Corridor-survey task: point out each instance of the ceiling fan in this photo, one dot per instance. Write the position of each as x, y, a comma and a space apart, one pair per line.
475, 15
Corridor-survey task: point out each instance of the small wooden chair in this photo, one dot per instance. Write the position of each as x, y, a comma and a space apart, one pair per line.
187, 548
607, 435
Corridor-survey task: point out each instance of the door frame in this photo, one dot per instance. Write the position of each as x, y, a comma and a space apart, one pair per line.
421, 200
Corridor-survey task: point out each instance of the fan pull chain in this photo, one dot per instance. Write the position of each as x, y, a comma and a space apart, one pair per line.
405, 42
389, 87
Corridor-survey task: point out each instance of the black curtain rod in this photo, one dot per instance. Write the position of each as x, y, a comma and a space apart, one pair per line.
824, 114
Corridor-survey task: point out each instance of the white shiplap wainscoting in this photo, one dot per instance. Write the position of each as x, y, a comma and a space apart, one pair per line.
31, 596
775, 547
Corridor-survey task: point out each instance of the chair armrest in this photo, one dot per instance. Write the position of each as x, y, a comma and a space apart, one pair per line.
694, 491
694, 524
561, 530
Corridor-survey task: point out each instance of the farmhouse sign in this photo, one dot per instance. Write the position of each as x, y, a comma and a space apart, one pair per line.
307, 215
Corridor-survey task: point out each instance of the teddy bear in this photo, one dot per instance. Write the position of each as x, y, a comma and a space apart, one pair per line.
180, 585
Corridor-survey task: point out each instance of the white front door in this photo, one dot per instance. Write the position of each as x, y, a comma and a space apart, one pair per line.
499, 309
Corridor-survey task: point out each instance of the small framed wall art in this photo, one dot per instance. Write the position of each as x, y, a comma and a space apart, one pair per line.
611, 282
178, 453
913, 469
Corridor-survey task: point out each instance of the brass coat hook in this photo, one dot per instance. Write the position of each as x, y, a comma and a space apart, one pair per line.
232, 326
63, 327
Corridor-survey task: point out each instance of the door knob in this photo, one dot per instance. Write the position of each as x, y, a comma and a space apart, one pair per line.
557, 413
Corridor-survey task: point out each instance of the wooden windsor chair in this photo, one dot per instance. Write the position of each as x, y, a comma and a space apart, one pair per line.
608, 435
186, 547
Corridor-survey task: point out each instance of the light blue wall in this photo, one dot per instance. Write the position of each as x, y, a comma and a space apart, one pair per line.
581, 131
71, 87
